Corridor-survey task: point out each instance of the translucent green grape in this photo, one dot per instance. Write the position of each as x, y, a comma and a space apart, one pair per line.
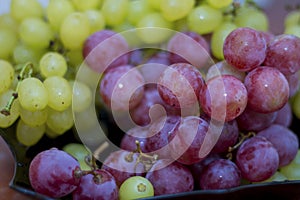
7, 22
115, 11
7, 75
29, 135
96, 19
22, 9
219, 3
176, 9
79, 151
60, 121
292, 18
82, 96
8, 41
35, 118
53, 64
136, 10
87, 4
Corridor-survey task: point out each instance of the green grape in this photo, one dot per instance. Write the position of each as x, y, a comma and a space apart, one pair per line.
50, 133
292, 18
204, 19
137, 9
115, 11
96, 19
219, 3
74, 57
176, 9
7, 22
35, 118
57, 11
155, 4
32, 94
253, 18
293, 30
136, 187
218, 38
296, 104
8, 41
87, 4
22, 9
74, 30
60, 121
82, 96
6, 121
153, 28
53, 64
7, 75
29, 135
79, 151
36, 33
129, 32
292, 170
59, 91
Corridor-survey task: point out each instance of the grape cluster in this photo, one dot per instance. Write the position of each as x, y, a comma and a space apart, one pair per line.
207, 94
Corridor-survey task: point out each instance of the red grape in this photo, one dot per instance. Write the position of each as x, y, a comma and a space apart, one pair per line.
136, 133
284, 115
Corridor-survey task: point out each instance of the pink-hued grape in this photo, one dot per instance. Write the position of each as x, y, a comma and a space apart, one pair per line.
250, 120
220, 174
169, 177
136, 133
257, 159
294, 82
284, 115
187, 140
104, 49
268, 89
268, 36
228, 137
224, 98
122, 165
283, 54
104, 187
122, 88
52, 173
189, 47
284, 140
179, 85
245, 48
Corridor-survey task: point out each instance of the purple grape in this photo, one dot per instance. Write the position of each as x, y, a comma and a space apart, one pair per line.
52, 173
179, 85
284, 140
250, 120
105, 49
169, 177
122, 88
268, 89
284, 115
102, 187
257, 159
224, 98
137, 133
282, 53
268, 36
294, 82
245, 48
220, 174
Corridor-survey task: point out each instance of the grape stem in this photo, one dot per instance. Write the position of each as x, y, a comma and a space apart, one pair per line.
26, 72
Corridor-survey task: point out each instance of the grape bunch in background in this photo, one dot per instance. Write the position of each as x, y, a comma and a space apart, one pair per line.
215, 100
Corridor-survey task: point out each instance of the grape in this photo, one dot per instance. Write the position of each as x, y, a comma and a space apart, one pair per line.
155, 4
122, 88
164, 172
35, 118
59, 91
251, 120
36, 33
284, 140
153, 28
60, 121
122, 165
29, 135
7, 75
270, 82
223, 98
268, 36
176, 9
75, 58
136, 187
79, 151
257, 159
281, 53
244, 48
57, 11
74, 30
296, 105
99, 185
189, 47
53, 64
6, 121
114, 11
293, 30
218, 38
102, 48
291, 171
223, 68
8, 22
136, 133
228, 138
51, 172
136, 10
23, 54
292, 18
86, 5
183, 92
284, 115
96, 19
220, 174
278, 176
294, 82
82, 96
204, 19
219, 4
8, 39
22, 9
32, 94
